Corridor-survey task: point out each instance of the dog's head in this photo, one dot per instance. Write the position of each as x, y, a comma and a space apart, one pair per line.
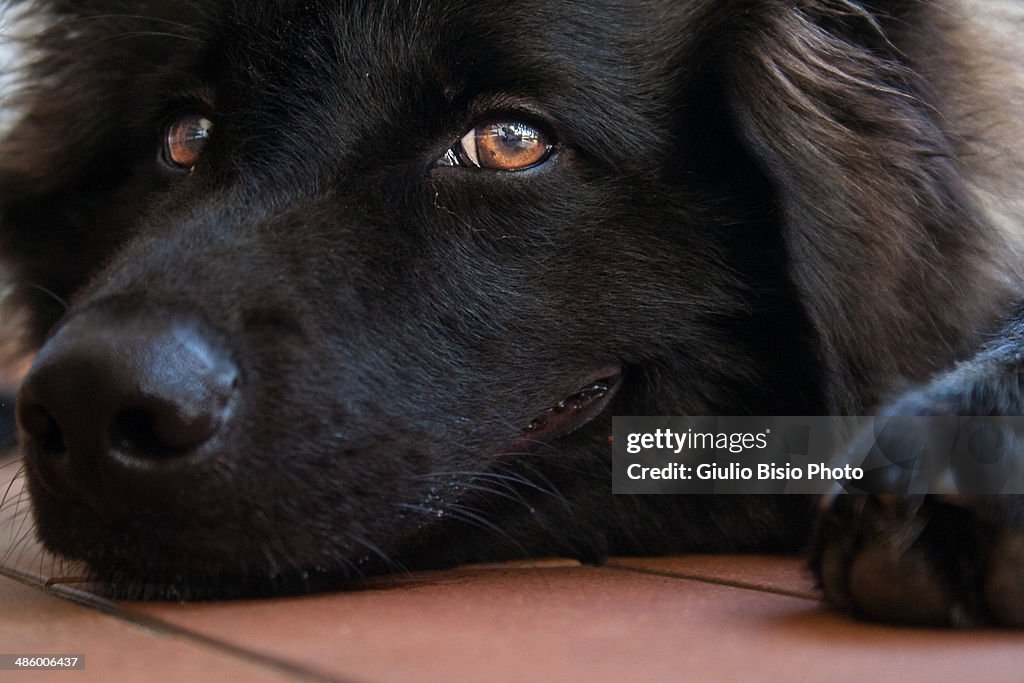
355, 284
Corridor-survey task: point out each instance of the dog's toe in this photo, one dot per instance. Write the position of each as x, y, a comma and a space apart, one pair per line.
887, 584
927, 561
1004, 579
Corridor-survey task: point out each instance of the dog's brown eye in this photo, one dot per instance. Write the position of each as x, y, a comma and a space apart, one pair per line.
185, 139
500, 146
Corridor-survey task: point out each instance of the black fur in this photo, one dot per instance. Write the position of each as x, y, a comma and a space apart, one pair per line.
753, 207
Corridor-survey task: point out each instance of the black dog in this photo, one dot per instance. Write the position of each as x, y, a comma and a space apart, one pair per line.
357, 286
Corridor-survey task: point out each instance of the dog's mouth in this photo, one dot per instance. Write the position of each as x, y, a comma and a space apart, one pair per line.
588, 400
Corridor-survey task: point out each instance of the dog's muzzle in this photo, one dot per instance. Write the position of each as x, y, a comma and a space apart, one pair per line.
113, 401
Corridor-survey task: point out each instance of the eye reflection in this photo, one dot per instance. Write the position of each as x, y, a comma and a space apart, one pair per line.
184, 140
500, 146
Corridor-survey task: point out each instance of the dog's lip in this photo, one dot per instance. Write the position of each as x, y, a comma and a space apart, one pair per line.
588, 400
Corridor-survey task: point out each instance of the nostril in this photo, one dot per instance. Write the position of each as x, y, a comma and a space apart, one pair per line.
161, 430
114, 397
38, 424
47, 452
132, 431
109, 388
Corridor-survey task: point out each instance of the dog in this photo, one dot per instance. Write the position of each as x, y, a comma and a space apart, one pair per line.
328, 289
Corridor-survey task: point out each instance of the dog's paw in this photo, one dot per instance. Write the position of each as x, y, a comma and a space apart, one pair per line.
934, 560
954, 556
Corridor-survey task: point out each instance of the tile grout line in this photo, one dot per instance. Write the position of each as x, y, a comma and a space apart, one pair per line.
164, 628
664, 573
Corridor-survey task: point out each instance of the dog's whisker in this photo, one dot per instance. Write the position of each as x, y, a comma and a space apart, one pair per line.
534, 476
13, 503
25, 524
510, 481
17, 539
142, 18
348, 568
15, 520
393, 565
21, 544
50, 293
144, 34
476, 518
508, 493
16, 479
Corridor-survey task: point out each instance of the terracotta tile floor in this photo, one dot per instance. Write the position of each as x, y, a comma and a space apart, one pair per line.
660, 619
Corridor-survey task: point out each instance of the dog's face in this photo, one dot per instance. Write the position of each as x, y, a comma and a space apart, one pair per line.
356, 284
374, 266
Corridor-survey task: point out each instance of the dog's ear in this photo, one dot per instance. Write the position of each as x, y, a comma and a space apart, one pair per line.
886, 247
77, 142
72, 118
56, 110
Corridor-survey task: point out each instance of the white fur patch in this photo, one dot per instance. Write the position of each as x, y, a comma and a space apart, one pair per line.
12, 56
8, 59
12, 59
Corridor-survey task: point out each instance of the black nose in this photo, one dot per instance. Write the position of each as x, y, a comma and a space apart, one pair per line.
113, 397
